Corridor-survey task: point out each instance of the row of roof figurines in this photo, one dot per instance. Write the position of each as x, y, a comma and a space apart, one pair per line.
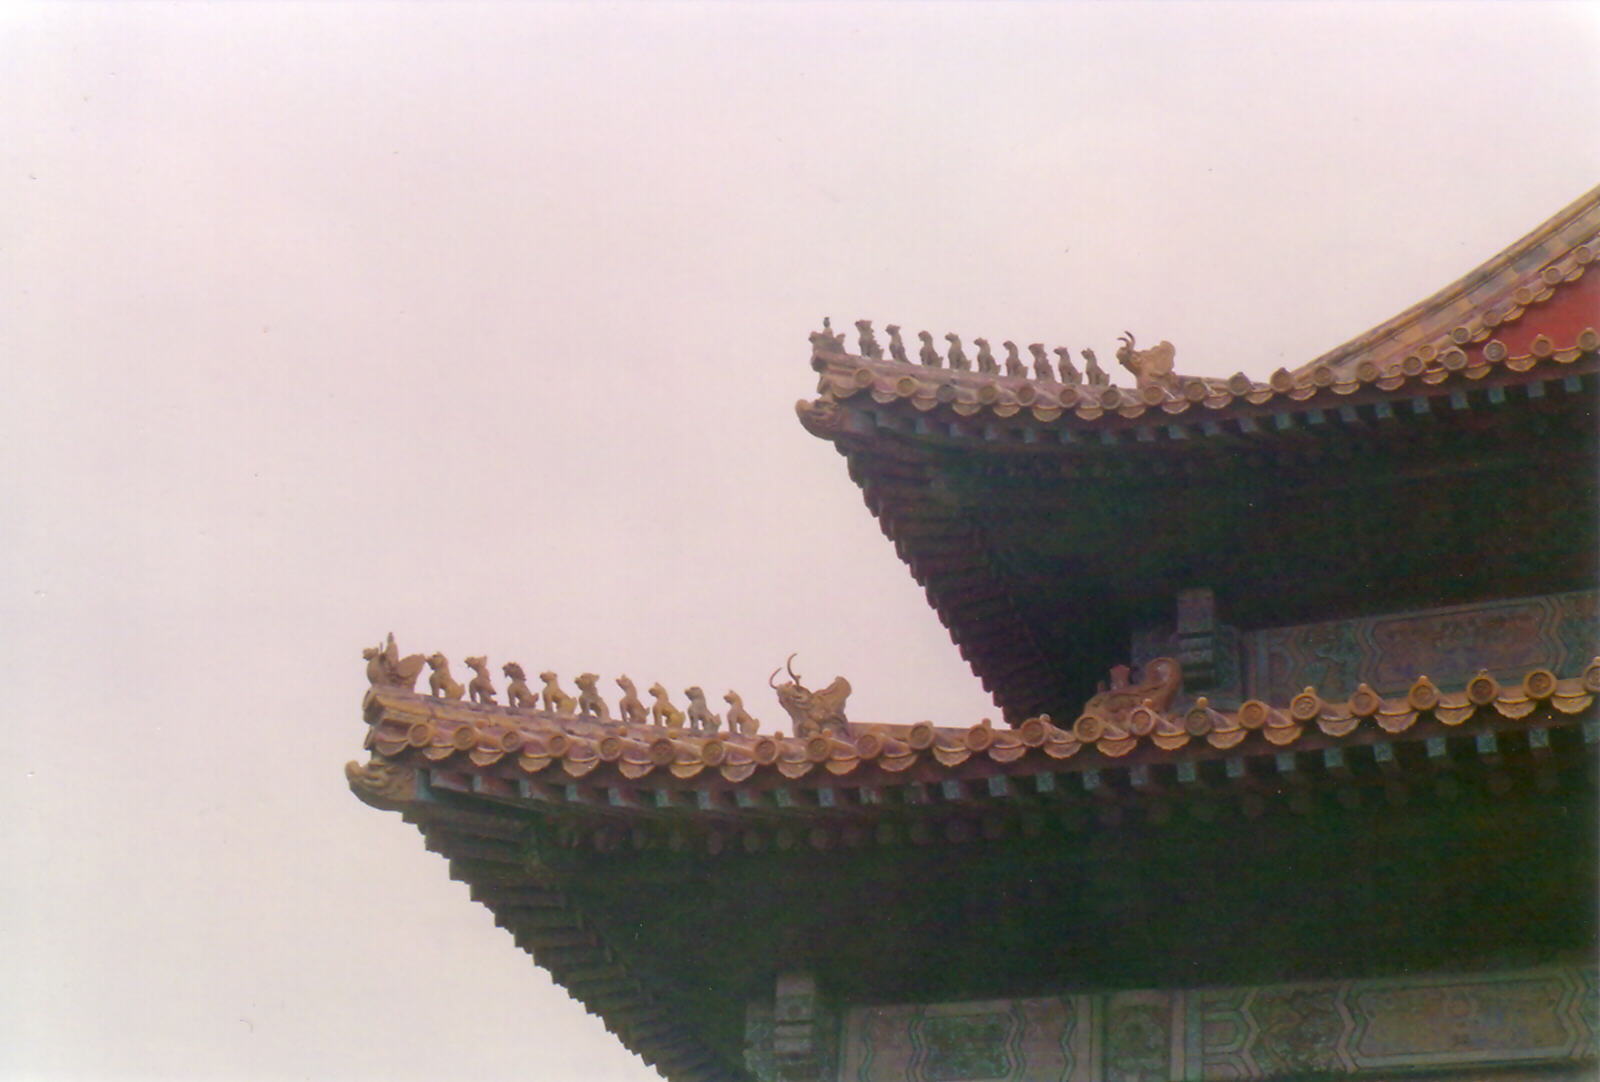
1150, 367
813, 712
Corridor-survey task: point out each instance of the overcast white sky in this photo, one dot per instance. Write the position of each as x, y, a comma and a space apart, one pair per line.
485, 324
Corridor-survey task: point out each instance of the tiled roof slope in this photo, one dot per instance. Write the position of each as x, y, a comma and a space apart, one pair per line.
1487, 303
524, 802
504, 747
1518, 379
1529, 313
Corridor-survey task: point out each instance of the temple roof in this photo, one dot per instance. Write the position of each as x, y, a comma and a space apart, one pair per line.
503, 748
1134, 834
1527, 313
1049, 520
1485, 304
663, 876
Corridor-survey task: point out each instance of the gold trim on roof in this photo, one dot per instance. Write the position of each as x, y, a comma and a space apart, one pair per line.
845, 377
536, 742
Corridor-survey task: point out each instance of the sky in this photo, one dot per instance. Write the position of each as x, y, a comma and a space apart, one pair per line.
484, 325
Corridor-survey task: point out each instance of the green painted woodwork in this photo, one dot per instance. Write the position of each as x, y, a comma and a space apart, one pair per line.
1439, 885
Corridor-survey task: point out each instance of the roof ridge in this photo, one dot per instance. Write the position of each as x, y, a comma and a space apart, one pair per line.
1449, 331
1443, 318
845, 376
404, 722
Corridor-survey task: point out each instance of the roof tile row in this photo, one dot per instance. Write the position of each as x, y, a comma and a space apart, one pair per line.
534, 741
1492, 296
967, 394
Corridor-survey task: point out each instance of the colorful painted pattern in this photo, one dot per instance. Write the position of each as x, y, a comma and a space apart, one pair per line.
1375, 1028
1541, 1016
1559, 632
988, 1041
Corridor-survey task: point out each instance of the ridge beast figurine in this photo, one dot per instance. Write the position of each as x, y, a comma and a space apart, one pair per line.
629, 707
480, 688
698, 714
386, 668
739, 719
662, 712
1150, 367
518, 693
440, 682
556, 701
813, 712
590, 704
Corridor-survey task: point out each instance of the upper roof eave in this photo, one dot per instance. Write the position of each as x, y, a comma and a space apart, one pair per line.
1525, 315
1478, 365
1494, 293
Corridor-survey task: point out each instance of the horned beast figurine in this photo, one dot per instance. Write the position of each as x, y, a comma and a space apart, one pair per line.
812, 712
1150, 367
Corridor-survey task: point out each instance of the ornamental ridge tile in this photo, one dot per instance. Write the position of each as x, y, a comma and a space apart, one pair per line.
534, 743
1460, 331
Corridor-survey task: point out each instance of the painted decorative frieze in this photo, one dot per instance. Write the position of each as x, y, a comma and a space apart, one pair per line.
1453, 1027
1139, 1029
960, 1046
1447, 1023
1379, 1026
1559, 632
991, 1041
